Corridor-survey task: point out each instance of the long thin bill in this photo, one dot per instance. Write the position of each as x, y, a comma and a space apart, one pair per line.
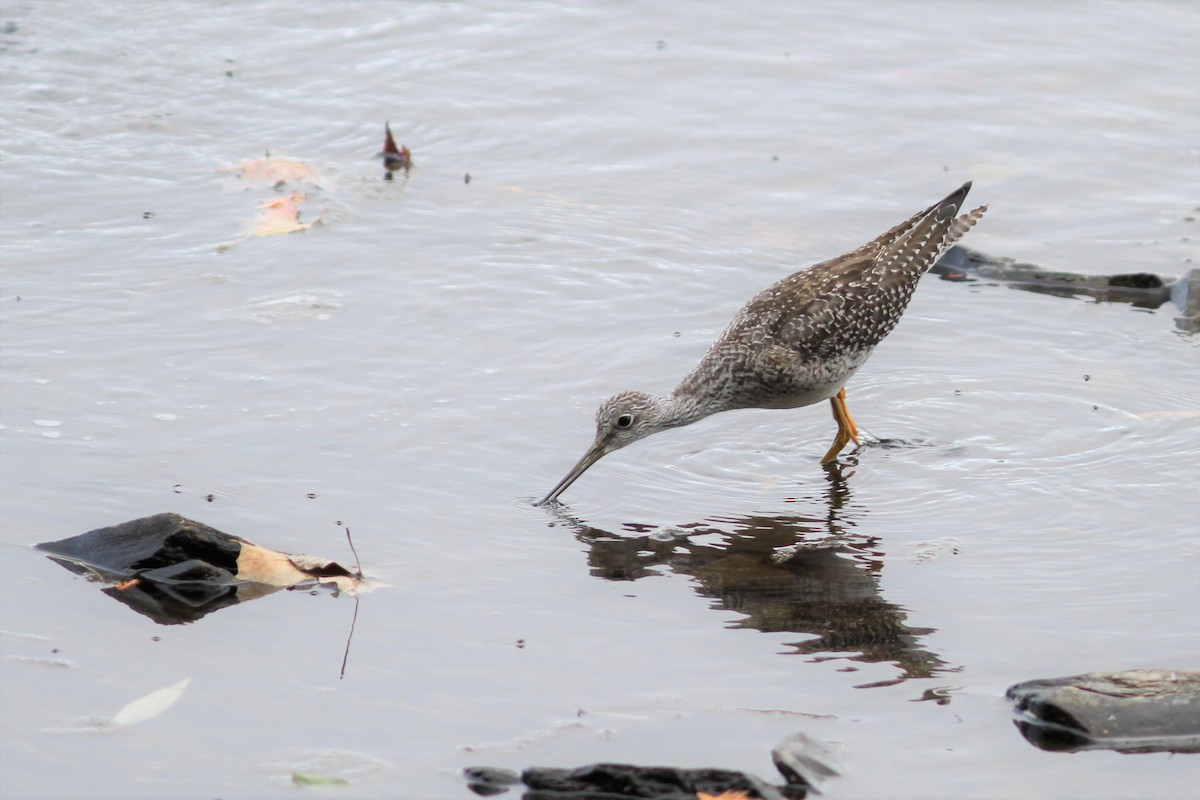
590, 457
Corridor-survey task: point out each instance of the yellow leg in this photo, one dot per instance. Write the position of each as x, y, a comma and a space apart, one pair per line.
847, 430
849, 420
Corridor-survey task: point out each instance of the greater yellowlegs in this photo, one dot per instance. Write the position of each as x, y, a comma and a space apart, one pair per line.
798, 341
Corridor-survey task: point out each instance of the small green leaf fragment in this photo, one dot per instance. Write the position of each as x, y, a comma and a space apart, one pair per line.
308, 779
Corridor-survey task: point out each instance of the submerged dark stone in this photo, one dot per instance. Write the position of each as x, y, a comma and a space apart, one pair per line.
163, 544
488, 781
804, 762
184, 569
1139, 289
1135, 711
175, 570
604, 781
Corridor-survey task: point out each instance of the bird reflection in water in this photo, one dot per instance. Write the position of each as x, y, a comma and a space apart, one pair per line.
809, 574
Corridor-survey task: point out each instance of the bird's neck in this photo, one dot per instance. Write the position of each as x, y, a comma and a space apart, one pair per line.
682, 408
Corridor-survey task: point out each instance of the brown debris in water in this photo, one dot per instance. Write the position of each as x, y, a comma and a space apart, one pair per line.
394, 158
176, 570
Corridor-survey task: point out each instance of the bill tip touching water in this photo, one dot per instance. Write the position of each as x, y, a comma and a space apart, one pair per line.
797, 342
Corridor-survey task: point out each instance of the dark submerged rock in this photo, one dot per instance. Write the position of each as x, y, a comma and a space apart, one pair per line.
164, 545
604, 781
1139, 289
488, 781
804, 762
1135, 711
175, 570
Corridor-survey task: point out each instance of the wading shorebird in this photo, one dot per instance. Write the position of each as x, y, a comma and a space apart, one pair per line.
796, 342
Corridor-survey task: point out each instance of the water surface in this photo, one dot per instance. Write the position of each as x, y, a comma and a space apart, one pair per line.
426, 361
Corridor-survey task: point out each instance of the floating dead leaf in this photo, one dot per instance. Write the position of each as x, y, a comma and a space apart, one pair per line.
273, 171
394, 158
276, 216
151, 705
281, 215
260, 565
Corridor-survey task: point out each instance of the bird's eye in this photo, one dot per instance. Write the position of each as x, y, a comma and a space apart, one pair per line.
624, 421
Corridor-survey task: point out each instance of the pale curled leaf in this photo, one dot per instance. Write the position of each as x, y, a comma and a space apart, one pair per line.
151, 705
257, 564
281, 215
260, 565
276, 216
271, 171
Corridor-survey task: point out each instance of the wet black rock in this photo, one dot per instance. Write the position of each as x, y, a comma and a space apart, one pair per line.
175, 570
488, 781
605, 781
1135, 711
1139, 289
804, 762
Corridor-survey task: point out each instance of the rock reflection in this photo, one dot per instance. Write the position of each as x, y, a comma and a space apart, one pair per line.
809, 574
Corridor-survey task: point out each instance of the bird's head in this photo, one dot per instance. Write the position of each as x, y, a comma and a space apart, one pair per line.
624, 418
621, 420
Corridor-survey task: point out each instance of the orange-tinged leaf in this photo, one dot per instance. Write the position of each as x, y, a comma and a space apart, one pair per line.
260, 565
276, 216
274, 170
121, 586
394, 158
281, 215
729, 795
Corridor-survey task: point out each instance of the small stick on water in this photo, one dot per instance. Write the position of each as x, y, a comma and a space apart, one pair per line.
357, 563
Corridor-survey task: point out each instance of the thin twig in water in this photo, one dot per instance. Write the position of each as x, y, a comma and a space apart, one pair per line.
346, 655
357, 563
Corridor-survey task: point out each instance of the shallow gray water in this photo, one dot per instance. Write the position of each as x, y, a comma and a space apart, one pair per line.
426, 362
